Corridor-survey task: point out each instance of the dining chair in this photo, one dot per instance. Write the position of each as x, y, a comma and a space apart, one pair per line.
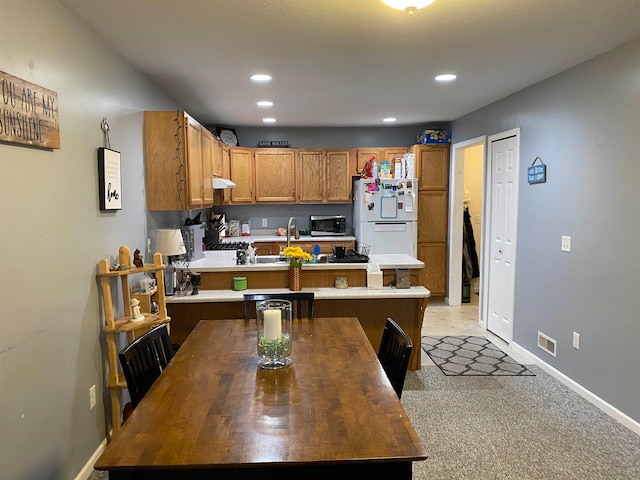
394, 353
144, 359
294, 297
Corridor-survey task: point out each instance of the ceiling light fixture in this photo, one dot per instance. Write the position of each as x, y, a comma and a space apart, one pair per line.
408, 6
389, 119
446, 77
265, 103
260, 78
269, 120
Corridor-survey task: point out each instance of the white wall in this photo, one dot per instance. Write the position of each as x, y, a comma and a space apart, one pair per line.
53, 235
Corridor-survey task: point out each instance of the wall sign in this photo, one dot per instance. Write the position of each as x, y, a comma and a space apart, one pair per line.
109, 179
273, 143
28, 113
537, 173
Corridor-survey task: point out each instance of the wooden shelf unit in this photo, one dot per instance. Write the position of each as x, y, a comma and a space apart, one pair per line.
124, 325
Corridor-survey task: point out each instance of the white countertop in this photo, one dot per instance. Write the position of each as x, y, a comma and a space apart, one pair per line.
206, 296
225, 261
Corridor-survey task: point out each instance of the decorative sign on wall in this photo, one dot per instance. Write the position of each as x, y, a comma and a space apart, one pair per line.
273, 143
537, 173
28, 113
109, 180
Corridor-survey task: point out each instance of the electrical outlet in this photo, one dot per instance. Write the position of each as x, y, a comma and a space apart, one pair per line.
566, 243
264, 222
148, 245
576, 341
92, 397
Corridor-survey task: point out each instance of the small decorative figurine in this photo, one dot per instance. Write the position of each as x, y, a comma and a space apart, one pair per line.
135, 310
196, 280
137, 258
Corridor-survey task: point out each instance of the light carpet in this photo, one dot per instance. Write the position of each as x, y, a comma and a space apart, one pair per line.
514, 428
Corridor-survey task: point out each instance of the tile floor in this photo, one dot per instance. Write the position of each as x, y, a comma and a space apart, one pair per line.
441, 319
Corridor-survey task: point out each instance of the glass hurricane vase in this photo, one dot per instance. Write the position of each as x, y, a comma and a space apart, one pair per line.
274, 333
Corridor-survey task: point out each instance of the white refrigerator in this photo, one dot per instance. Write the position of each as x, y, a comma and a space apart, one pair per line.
385, 214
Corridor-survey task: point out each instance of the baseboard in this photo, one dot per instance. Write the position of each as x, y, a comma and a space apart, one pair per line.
87, 470
607, 408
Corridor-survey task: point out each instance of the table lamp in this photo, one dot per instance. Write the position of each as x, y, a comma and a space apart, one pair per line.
169, 242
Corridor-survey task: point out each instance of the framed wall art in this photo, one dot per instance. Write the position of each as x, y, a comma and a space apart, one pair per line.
109, 179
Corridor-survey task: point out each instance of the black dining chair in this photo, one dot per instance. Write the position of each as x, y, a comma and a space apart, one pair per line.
394, 353
144, 359
296, 299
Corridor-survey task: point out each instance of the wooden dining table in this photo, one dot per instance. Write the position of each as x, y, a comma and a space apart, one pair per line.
213, 413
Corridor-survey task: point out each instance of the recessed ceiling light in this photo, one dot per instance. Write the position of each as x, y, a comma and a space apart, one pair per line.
446, 77
389, 119
265, 103
260, 78
269, 120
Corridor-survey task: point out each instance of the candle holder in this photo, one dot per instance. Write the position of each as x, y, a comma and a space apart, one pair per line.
274, 333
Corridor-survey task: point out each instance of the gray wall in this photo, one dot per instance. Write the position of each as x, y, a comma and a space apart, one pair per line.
53, 235
584, 124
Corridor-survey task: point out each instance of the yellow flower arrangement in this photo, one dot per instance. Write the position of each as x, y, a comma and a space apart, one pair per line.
296, 256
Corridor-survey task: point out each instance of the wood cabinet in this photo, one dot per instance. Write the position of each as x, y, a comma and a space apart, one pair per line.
125, 326
241, 173
177, 161
432, 171
323, 176
217, 156
311, 176
381, 153
275, 175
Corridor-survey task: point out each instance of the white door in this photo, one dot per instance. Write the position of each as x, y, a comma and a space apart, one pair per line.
503, 224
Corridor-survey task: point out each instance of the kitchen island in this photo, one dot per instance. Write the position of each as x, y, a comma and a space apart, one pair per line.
217, 299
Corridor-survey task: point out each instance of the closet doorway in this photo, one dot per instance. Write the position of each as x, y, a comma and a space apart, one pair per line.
466, 200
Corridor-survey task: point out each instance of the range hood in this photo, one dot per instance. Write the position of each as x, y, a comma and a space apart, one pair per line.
222, 183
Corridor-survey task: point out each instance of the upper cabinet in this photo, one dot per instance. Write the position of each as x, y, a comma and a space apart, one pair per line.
432, 166
311, 176
178, 161
266, 175
217, 156
241, 173
381, 153
323, 176
275, 175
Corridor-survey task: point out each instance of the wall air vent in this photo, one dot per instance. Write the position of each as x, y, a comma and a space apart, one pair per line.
546, 343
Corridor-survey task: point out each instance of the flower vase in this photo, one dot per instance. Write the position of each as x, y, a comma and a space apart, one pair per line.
295, 283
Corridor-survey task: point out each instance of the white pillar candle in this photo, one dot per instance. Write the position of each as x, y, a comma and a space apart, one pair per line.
272, 324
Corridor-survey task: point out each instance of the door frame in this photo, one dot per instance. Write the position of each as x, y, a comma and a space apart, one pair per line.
486, 231
456, 211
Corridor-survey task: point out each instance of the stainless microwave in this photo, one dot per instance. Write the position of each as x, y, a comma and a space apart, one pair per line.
327, 225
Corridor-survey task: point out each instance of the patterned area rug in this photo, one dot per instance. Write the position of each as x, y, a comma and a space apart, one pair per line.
462, 355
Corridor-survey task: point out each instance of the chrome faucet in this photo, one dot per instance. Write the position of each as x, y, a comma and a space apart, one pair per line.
292, 223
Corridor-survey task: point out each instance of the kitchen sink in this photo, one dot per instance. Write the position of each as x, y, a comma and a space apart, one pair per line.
269, 259
280, 260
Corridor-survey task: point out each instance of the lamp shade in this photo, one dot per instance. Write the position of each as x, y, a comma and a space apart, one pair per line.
169, 242
408, 5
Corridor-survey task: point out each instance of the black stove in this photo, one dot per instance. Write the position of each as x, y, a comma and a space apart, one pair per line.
228, 246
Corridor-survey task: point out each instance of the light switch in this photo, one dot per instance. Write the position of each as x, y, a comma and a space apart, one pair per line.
566, 243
